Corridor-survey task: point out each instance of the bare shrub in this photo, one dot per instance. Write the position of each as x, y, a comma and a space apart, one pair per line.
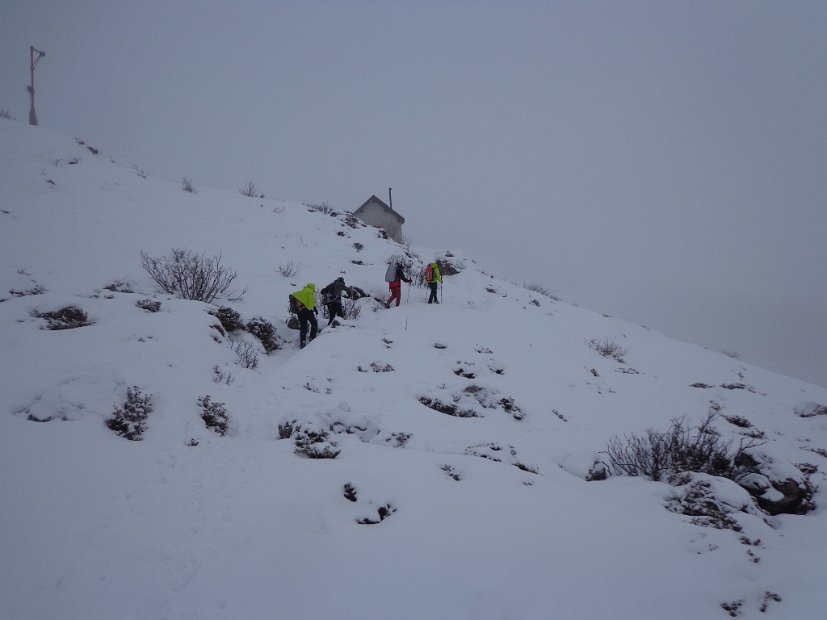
4, 113
245, 354
249, 189
351, 309
219, 376
608, 348
323, 207
679, 449
186, 185
214, 414
290, 270
129, 421
140, 171
192, 276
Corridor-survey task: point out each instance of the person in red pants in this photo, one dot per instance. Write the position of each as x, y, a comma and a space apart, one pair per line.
395, 286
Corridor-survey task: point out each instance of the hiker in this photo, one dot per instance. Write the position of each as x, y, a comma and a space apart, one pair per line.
332, 298
395, 285
434, 278
304, 303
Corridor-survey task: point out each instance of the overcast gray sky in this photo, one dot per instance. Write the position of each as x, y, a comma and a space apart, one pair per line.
664, 161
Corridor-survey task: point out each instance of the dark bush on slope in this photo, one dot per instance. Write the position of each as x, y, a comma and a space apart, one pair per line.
129, 421
229, 318
214, 414
265, 332
69, 317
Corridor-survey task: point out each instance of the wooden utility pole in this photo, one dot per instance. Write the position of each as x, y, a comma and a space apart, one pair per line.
30, 88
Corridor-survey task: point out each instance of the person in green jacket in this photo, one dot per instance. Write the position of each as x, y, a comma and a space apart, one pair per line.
306, 310
433, 277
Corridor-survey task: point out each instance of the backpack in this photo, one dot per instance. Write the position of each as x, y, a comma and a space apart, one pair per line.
390, 274
429, 273
294, 305
327, 294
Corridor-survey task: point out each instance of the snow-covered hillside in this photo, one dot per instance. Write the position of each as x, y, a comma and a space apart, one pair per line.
486, 513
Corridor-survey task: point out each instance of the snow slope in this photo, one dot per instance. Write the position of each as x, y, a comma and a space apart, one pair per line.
487, 516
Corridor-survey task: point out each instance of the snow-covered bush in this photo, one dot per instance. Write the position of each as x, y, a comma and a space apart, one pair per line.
383, 513
311, 439
229, 318
214, 414
35, 289
191, 276
150, 305
69, 317
448, 408
710, 503
265, 332
129, 421
186, 185
119, 286
349, 492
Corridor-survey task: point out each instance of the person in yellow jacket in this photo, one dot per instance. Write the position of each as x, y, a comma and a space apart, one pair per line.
305, 305
433, 277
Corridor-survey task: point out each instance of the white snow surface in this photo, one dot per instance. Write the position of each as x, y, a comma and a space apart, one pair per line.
489, 516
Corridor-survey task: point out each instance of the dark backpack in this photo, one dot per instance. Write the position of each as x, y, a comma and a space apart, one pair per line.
327, 294
294, 305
